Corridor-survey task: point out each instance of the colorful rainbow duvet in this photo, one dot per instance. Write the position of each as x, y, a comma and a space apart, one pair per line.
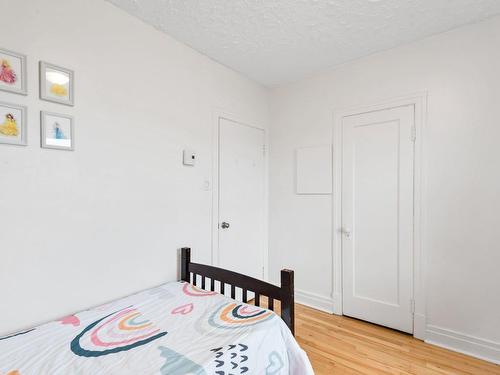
173, 329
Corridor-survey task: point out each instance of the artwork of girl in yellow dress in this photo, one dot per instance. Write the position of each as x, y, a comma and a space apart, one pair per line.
9, 126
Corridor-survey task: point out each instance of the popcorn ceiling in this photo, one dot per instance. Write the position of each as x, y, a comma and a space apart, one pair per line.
279, 41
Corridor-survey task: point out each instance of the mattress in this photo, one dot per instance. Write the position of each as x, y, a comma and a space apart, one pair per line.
175, 329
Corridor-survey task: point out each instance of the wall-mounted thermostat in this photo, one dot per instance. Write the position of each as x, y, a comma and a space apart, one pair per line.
188, 157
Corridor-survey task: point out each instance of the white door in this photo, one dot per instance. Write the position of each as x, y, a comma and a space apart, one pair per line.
377, 216
241, 198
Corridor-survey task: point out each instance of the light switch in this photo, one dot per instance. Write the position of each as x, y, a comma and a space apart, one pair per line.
188, 157
206, 185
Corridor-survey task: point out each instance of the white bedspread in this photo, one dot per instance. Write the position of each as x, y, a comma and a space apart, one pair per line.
174, 329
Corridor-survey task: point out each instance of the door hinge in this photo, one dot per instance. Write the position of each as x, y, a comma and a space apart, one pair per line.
412, 306
413, 134
264, 149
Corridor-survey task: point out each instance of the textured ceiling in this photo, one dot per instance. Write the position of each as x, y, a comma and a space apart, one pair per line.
279, 41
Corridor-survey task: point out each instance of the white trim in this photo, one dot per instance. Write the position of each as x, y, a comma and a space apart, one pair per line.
419, 322
419, 101
217, 114
462, 343
315, 301
337, 215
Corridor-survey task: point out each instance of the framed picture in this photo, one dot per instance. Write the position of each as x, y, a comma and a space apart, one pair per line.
13, 124
56, 84
13, 72
57, 131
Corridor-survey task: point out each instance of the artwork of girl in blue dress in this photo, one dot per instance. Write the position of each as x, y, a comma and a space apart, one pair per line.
58, 133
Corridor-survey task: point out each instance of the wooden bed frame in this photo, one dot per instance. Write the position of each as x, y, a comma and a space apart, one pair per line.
285, 294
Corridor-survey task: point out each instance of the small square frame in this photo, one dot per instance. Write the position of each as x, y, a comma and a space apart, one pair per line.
23, 141
43, 68
24, 77
43, 131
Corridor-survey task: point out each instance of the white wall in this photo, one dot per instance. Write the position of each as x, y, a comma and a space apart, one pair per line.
80, 228
461, 72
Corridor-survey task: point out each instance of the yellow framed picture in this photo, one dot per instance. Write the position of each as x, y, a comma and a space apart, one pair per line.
56, 84
13, 124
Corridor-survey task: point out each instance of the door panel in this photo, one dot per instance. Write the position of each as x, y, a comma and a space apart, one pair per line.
241, 198
377, 216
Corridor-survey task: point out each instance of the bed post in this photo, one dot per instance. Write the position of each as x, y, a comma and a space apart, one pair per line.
185, 260
288, 302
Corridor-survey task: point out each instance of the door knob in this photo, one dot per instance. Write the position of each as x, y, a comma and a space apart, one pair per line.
224, 225
346, 232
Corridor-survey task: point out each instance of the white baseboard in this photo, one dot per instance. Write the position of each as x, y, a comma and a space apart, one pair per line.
315, 301
462, 343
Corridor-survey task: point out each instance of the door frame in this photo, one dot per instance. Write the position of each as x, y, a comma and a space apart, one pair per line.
419, 101
217, 114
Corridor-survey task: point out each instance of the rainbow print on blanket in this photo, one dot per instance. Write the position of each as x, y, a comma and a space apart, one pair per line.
194, 291
234, 315
117, 332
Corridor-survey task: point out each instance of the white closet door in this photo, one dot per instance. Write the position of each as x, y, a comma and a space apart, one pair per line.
377, 216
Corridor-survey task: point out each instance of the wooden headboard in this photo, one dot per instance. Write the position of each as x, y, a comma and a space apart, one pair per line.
285, 294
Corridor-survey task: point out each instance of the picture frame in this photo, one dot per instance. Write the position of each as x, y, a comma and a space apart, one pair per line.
13, 73
57, 84
57, 131
13, 124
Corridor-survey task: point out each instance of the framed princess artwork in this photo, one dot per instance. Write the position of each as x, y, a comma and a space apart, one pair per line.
56, 84
13, 72
57, 131
13, 124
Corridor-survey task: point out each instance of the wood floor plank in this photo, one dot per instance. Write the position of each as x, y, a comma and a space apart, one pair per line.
338, 345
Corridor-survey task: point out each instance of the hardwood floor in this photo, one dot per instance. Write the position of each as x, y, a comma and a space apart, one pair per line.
342, 345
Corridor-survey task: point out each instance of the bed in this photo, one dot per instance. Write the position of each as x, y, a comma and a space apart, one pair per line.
184, 327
